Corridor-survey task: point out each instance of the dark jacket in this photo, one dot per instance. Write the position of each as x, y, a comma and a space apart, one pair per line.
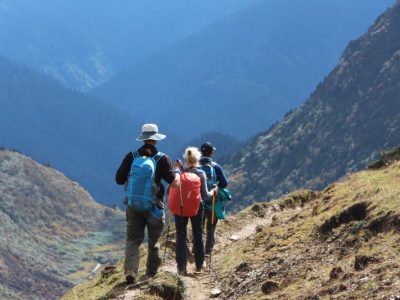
219, 172
164, 169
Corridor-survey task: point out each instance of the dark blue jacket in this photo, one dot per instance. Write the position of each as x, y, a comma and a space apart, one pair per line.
219, 172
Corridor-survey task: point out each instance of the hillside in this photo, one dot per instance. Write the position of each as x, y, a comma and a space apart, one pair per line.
51, 230
244, 72
225, 144
69, 39
340, 243
351, 115
79, 135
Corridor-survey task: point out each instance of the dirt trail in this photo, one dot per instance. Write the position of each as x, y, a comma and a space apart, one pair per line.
199, 286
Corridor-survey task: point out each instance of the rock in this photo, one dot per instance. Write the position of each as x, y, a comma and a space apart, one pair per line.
215, 293
362, 261
108, 270
269, 287
234, 237
243, 267
272, 274
335, 273
258, 210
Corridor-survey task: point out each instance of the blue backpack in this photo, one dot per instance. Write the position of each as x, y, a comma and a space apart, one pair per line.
211, 177
141, 187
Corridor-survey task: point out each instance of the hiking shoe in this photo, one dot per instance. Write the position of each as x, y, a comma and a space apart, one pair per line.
150, 274
182, 272
144, 277
130, 277
198, 270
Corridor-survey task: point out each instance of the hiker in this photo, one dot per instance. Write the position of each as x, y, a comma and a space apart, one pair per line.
145, 194
215, 177
186, 203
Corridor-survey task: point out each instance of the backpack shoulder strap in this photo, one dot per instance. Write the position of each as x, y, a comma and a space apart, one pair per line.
135, 154
213, 173
158, 156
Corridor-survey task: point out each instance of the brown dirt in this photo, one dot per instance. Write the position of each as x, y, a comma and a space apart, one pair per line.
199, 286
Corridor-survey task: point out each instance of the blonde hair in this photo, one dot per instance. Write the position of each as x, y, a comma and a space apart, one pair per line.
192, 157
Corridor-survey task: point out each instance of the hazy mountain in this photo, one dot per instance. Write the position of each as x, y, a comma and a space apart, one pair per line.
79, 135
243, 73
353, 113
48, 226
83, 43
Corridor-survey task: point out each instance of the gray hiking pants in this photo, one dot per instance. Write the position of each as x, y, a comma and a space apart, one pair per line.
137, 223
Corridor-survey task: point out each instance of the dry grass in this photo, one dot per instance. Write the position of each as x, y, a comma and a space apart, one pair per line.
291, 250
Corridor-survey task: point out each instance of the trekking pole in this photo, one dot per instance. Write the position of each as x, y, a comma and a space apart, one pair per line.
180, 196
167, 237
212, 225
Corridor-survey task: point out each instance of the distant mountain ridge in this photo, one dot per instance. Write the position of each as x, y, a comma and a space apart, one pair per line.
351, 115
244, 72
71, 41
48, 225
79, 135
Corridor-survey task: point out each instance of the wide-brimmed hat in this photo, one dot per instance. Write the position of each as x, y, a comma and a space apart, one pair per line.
150, 132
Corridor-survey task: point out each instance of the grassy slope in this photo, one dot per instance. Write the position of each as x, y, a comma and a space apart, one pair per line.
50, 230
310, 234
302, 246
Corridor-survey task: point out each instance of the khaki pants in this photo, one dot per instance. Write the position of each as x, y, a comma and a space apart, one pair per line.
137, 223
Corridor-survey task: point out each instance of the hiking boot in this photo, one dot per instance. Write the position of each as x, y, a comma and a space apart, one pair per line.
144, 277
152, 268
130, 277
182, 272
199, 270
150, 274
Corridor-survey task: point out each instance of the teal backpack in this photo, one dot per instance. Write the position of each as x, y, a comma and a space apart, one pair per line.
141, 187
224, 195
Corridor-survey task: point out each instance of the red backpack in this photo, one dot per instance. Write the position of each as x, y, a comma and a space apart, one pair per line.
190, 191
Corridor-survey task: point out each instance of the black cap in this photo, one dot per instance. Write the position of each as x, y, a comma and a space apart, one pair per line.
207, 148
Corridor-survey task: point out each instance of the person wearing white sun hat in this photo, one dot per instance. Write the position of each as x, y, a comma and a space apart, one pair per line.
145, 194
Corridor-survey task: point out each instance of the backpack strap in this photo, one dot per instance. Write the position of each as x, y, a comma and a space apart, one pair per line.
213, 173
135, 154
158, 156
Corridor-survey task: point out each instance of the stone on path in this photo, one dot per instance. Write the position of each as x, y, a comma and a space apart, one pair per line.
215, 293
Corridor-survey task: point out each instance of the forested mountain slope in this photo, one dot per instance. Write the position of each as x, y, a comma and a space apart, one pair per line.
353, 113
79, 135
225, 144
48, 226
83, 43
244, 72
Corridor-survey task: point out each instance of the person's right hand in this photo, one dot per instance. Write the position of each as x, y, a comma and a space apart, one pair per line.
215, 191
178, 164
